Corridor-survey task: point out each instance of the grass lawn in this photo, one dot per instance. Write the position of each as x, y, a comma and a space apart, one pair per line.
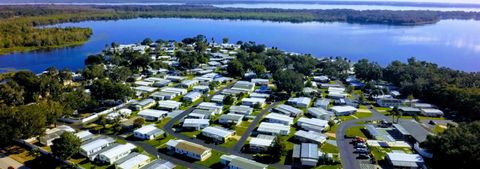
230, 143
328, 148
355, 131
438, 129
242, 128
160, 141
335, 166
191, 134
215, 158
162, 123
361, 115
346, 118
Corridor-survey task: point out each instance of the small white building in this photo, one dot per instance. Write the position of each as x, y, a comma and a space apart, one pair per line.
322, 103
178, 91
159, 164
54, 133
259, 95
196, 124
152, 115
133, 161
231, 118
261, 143
279, 118
320, 113
189, 149
236, 162
188, 83
303, 102
148, 132
310, 137
201, 89
84, 135
217, 134
169, 105
344, 110
244, 86
431, 112
253, 101
403, 160
192, 96
260, 81
116, 153
143, 104
312, 124
217, 109
273, 128
91, 147
288, 110
175, 78
243, 110
218, 98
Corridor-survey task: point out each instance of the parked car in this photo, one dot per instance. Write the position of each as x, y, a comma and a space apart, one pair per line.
361, 145
363, 156
361, 151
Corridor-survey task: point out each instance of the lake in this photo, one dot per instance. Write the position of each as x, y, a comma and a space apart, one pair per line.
451, 43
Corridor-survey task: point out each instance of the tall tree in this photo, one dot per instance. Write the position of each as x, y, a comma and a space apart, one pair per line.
235, 69
67, 145
288, 80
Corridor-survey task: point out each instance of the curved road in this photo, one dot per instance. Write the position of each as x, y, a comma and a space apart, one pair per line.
348, 158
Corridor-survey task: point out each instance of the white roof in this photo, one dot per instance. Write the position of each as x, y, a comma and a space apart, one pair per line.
262, 141
201, 87
146, 88
169, 104
302, 100
196, 121
280, 117
222, 132
146, 129
311, 135
83, 134
272, 127
241, 108
432, 111
173, 89
209, 105
259, 95
254, 100
313, 121
134, 161
152, 113
95, 144
343, 108
193, 95
119, 149
143, 83
404, 158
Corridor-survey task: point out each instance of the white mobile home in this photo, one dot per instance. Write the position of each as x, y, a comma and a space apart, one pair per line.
91, 147
218, 134
261, 143
279, 118
133, 161
273, 128
189, 149
196, 124
303, 102
231, 118
344, 110
152, 115
169, 105
148, 132
312, 124
320, 113
310, 137
253, 101
243, 110
192, 96
116, 153
288, 110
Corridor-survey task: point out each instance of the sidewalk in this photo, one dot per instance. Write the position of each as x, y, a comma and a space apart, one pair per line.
6, 162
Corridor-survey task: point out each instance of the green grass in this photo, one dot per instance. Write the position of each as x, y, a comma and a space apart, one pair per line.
191, 134
230, 143
162, 122
242, 128
362, 115
438, 130
328, 148
346, 118
120, 141
355, 131
335, 166
157, 142
215, 158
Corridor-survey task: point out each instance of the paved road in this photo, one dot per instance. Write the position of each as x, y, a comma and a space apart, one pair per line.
348, 158
243, 138
6, 162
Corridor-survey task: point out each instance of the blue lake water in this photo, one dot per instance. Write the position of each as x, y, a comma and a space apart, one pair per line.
451, 43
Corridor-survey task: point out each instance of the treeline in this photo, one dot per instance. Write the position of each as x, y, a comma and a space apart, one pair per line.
17, 32
454, 90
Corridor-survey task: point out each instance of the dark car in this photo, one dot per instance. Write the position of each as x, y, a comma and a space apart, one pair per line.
363, 156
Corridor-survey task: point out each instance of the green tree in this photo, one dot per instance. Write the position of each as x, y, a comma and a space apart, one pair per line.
288, 80
225, 40
65, 146
11, 93
93, 71
108, 90
235, 69
459, 144
138, 122
120, 74
368, 70
229, 100
147, 41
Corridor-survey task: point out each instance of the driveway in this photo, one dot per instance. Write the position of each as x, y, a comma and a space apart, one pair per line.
348, 158
241, 142
6, 162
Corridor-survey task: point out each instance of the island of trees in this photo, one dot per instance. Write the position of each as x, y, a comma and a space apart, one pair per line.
20, 31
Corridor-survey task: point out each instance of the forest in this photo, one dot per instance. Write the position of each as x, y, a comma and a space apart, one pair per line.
21, 26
